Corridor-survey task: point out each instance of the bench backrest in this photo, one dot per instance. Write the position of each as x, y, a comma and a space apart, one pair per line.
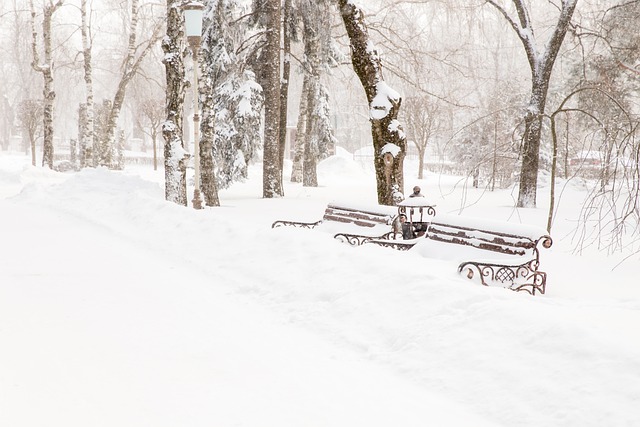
356, 216
505, 243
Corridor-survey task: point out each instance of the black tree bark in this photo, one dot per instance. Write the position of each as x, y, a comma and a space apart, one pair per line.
388, 138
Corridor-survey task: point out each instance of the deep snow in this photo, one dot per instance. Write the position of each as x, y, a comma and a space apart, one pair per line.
118, 308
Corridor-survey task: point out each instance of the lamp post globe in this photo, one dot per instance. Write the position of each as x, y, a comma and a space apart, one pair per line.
193, 12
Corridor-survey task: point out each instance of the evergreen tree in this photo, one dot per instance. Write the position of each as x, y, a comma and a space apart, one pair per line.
314, 129
232, 98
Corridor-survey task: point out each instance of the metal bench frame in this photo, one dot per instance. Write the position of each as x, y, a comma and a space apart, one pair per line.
345, 215
518, 276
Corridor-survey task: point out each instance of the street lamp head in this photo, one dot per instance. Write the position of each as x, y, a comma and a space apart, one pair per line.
193, 12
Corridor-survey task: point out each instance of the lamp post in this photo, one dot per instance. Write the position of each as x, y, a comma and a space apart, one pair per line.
193, 12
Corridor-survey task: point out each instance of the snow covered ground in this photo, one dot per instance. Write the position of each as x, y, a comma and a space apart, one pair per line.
120, 309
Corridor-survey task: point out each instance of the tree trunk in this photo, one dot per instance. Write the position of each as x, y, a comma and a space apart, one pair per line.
154, 139
207, 165
309, 165
565, 153
554, 162
541, 64
421, 153
87, 140
384, 103
73, 153
531, 155
312, 53
131, 66
272, 173
175, 156
47, 75
494, 163
301, 129
86, 151
120, 151
32, 142
284, 86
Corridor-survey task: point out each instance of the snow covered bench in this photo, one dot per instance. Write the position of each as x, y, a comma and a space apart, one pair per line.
500, 253
352, 224
496, 253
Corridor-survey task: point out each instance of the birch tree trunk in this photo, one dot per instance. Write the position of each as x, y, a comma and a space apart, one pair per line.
175, 156
389, 142
87, 140
209, 186
541, 64
272, 174
208, 183
130, 68
82, 134
46, 69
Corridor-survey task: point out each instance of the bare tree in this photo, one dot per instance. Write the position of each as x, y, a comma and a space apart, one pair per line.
30, 113
421, 116
46, 68
384, 104
130, 67
153, 111
541, 62
606, 128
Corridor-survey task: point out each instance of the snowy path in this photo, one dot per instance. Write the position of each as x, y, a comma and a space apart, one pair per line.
109, 333
117, 308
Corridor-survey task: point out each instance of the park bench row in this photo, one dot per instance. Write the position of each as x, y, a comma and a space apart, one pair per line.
517, 266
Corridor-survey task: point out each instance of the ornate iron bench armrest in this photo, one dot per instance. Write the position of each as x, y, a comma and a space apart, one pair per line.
282, 223
520, 277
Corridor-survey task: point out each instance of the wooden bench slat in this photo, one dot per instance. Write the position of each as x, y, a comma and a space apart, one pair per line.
360, 211
348, 220
345, 215
480, 245
494, 236
331, 213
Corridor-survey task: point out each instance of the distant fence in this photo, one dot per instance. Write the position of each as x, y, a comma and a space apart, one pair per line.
130, 158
